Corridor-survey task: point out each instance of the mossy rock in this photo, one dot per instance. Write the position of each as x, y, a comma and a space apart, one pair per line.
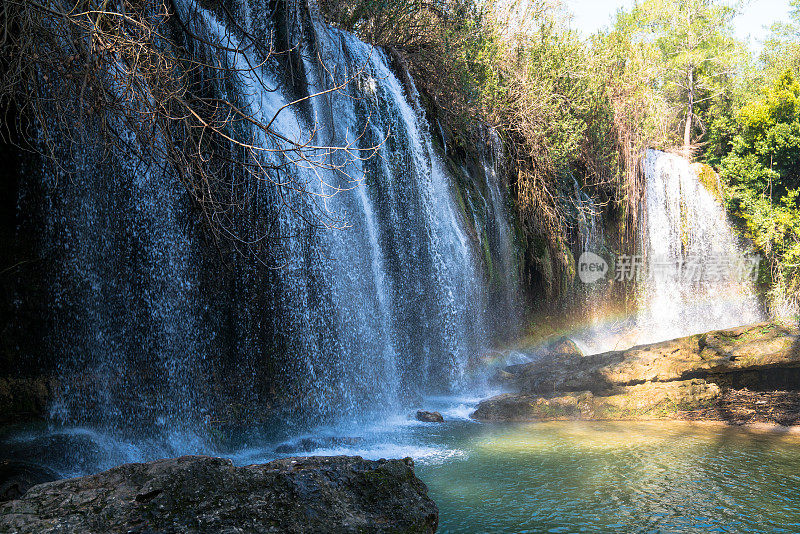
749, 348
659, 400
709, 179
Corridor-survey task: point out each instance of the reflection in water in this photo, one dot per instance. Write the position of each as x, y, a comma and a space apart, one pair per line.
617, 477
544, 477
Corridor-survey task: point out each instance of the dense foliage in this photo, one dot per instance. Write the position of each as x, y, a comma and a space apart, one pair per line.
762, 175
666, 74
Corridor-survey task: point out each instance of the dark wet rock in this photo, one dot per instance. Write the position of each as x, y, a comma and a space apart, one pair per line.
313, 444
659, 400
201, 494
429, 417
17, 477
25, 399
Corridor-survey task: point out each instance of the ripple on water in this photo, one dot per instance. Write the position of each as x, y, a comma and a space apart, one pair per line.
617, 477
546, 477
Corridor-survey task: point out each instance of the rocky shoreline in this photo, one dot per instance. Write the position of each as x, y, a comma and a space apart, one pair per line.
202, 494
745, 375
742, 376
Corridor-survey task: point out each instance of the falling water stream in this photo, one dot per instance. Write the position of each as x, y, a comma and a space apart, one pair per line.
162, 346
693, 274
685, 225
369, 323
355, 322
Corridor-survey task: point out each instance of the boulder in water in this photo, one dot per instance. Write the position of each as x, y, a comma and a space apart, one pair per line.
553, 355
723, 352
704, 376
313, 444
200, 494
429, 417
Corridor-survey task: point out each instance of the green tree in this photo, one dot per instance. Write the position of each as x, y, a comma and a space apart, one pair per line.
769, 141
782, 47
698, 53
762, 178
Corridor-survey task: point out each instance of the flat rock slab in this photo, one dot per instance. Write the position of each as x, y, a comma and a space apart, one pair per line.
202, 494
748, 348
660, 400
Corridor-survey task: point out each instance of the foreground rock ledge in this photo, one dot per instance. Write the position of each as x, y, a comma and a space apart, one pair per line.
205, 494
742, 375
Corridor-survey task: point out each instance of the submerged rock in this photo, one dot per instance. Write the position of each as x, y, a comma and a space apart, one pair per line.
313, 444
429, 417
17, 477
201, 494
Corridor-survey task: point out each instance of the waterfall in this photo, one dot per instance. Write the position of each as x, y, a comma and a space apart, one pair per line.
590, 238
699, 277
154, 329
499, 231
590, 230
691, 276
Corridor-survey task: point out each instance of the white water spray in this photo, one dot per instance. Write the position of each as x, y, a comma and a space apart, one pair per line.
686, 226
693, 275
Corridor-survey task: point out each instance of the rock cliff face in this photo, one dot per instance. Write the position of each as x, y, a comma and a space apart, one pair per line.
701, 376
23, 399
203, 494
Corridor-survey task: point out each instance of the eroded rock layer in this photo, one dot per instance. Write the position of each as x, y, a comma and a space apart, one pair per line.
745, 374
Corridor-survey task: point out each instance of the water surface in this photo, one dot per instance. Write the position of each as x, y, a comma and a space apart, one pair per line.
614, 477
543, 477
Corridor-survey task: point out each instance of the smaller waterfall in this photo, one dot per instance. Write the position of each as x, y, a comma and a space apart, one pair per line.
493, 157
590, 230
692, 275
699, 277
590, 237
